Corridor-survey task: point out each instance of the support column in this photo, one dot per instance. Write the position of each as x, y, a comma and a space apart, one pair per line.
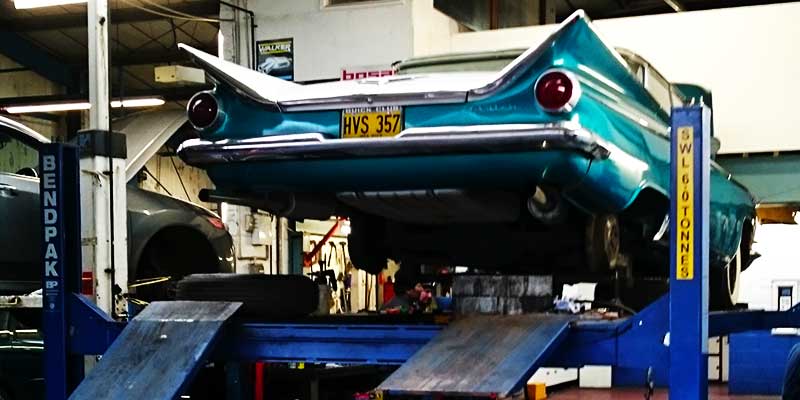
103, 199
282, 235
689, 206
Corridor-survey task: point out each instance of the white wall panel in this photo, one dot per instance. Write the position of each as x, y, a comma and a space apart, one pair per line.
327, 38
779, 265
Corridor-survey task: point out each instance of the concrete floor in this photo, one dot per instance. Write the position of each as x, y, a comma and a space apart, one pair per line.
715, 392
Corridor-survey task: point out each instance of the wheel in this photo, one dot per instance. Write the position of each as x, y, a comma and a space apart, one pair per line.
791, 379
363, 244
174, 253
603, 238
264, 296
723, 284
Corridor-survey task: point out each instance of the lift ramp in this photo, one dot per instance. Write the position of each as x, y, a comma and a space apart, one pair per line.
482, 355
158, 352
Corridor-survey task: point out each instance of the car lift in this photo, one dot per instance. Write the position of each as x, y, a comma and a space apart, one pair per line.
156, 354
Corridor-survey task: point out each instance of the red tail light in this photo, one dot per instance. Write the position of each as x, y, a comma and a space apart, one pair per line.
203, 110
216, 222
557, 91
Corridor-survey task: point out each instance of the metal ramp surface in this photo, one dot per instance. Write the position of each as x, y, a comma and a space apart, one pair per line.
157, 352
484, 355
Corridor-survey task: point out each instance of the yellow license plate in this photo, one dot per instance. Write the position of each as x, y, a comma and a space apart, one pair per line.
371, 122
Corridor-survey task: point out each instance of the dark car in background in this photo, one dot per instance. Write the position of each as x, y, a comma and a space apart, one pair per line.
21, 359
166, 236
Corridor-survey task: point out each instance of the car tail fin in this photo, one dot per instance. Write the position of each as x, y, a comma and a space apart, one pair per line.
574, 42
253, 84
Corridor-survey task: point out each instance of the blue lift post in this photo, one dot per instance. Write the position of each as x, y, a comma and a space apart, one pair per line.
60, 194
688, 309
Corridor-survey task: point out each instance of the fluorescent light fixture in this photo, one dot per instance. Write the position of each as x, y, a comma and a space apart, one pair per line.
83, 105
138, 102
23, 4
41, 108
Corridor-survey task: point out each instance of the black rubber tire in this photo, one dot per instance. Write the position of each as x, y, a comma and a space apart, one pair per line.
175, 252
602, 242
723, 285
363, 244
791, 379
264, 296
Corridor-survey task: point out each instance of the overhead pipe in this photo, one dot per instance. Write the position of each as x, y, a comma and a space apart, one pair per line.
252, 15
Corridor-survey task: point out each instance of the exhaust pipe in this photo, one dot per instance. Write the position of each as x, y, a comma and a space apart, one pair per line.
546, 205
281, 204
290, 205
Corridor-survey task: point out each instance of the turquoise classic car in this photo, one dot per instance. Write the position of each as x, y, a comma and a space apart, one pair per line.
557, 163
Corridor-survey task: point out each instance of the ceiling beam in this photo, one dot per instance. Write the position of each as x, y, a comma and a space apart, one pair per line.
29, 55
144, 57
118, 16
159, 56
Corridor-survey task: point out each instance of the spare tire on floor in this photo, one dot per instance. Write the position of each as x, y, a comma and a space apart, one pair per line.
264, 296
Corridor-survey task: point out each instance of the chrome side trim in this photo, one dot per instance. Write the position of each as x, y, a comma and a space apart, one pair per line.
376, 100
626, 109
478, 139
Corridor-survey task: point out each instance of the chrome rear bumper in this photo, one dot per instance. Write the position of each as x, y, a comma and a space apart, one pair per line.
477, 139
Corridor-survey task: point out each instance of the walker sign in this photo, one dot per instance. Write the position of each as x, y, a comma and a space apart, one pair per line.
685, 205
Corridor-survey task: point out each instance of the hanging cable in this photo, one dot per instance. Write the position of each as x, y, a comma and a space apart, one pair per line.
171, 10
147, 10
147, 171
175, 167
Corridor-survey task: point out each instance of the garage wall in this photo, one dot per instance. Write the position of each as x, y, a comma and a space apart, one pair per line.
327, 38
777, 266
193, 178
747, 56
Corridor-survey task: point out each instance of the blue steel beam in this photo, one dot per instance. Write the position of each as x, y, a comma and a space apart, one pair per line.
25, 53
325, 343
635, 342
725, 323
766, 175
91, 329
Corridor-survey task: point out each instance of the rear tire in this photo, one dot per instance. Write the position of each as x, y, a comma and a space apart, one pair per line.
264, 296
174, 252
603, 238
723, 284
